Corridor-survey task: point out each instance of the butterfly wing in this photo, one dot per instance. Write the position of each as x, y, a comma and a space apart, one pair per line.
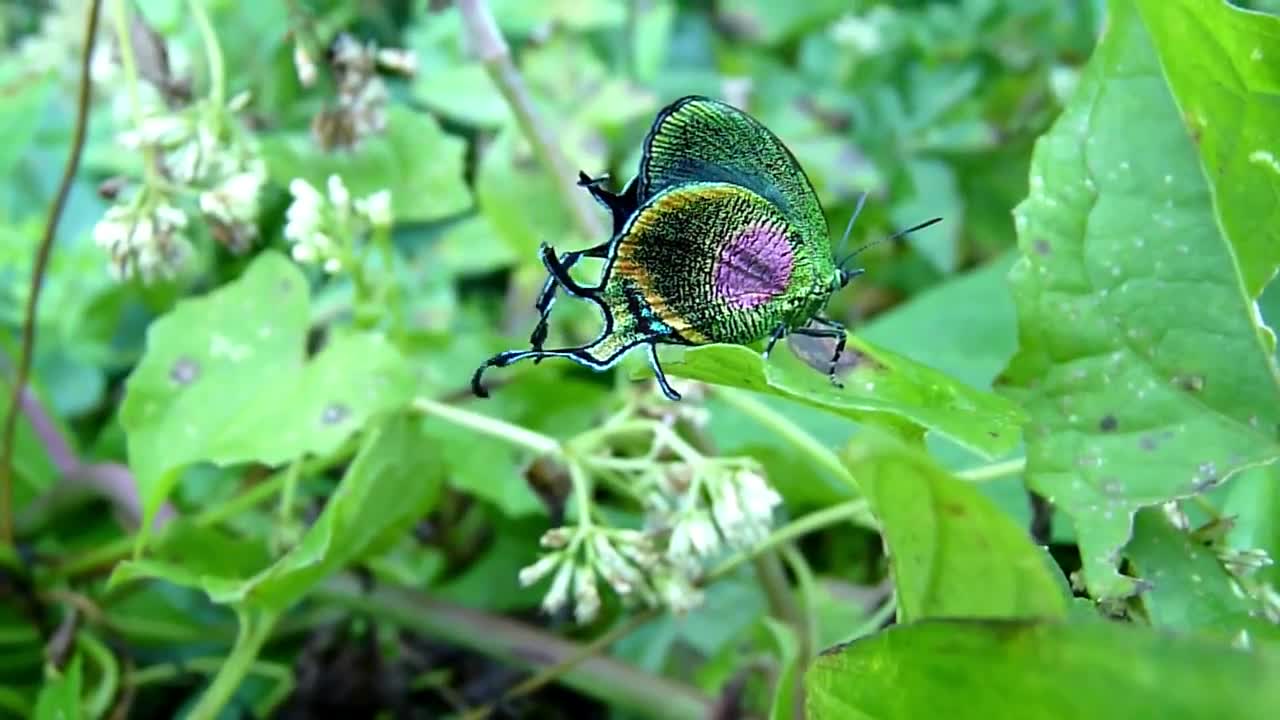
706, 262
698, 139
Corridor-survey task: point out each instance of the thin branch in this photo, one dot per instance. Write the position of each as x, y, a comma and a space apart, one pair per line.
491, 49
38, 272
514, 642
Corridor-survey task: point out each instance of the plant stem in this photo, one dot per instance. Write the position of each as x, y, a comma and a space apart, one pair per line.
37, 275
125, 40
493, 427
253, 632
489, 46
281, 674
848, 511
515, 643
994, 471
213, 55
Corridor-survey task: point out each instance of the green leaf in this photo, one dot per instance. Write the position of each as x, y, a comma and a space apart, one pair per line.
59, 697
20, 115
933, 194
1143, 364
417, 161
391, 483
953, 552
966, 326
225, 379
1223, 66
881, 385
1189, 587
981, 670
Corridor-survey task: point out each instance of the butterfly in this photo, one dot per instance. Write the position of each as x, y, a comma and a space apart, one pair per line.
719, 238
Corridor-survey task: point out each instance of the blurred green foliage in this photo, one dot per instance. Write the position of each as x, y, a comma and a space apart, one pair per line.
257, 486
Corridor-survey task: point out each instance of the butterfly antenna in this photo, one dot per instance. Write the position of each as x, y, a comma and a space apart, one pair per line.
862, 200
891, 238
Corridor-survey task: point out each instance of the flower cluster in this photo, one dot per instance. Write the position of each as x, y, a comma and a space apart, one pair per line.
696, 509
362, 95
197, 151
625, 560
322, 227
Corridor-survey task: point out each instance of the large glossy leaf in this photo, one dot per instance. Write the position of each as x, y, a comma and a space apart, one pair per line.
964, 670
414, 158
1189, 587
1142, 360
881, 384
1223, 65
391, 483
225, 379
953, 553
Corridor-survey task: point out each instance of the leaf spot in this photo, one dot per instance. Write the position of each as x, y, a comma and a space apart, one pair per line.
1266, 159
1043, 247
334, 413
1108, 423
1256, 55
1148, 442
185, 371
222, 346
1191, 383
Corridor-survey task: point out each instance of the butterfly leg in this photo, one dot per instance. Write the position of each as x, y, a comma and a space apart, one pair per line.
620, 205
509, 357
661, 376
547, 297
778, 333
832, 330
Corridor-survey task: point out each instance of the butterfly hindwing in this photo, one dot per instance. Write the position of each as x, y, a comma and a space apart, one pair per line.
705, 262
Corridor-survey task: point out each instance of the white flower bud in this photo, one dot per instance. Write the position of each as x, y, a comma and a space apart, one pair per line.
338, 193
398, 60
586, 597
303, 253
333, 266
376, 208
531, 574
304, 65
558, 594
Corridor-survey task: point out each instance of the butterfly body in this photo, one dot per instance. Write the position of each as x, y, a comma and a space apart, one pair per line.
718, 239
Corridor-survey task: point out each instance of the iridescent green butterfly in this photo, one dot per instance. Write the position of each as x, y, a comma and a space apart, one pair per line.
718, 239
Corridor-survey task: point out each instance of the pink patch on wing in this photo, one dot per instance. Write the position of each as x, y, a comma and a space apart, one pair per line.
754, 266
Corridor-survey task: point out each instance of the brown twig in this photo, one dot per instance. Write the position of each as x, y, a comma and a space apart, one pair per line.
37, 275
513, 642
491, 49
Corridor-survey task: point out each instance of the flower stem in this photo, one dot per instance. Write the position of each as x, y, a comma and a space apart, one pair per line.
848, 511
213, 55
125, 40
994, 471
790, 432
493, 427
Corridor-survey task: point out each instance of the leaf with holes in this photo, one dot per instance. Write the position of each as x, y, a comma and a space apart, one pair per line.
225, 379
1190, 587
976, 670
1142, 361
953, 552
391, 484
878, 386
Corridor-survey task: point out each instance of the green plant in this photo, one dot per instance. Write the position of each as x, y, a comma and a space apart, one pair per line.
246, 475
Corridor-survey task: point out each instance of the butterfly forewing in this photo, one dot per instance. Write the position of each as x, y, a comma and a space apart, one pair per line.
697, 139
